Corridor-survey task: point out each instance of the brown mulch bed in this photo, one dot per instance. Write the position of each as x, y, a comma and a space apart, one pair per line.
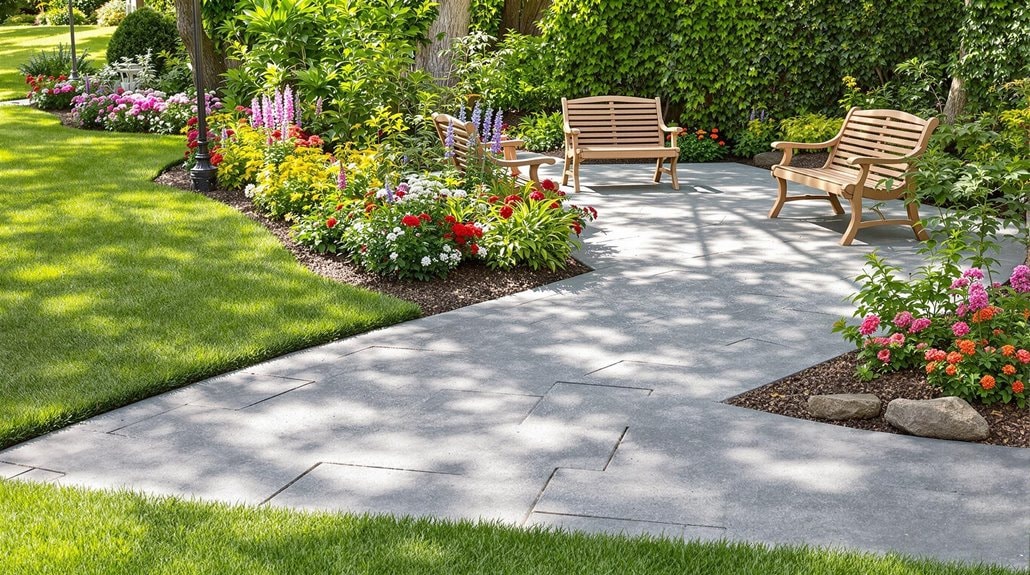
470, 283
1009, 424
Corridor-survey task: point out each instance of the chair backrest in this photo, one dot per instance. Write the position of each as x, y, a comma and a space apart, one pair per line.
464, 133
881, 134
615, 120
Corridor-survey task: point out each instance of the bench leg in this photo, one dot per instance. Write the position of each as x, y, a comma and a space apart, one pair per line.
672, 172
565, 172
658, 170
835, 203
781, 198
913, 216
856, 221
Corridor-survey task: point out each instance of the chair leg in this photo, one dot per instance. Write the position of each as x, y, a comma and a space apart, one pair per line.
658, 170
913, 216
856, 219
575, 175
836, 204
565, 172
781, 198
672, 172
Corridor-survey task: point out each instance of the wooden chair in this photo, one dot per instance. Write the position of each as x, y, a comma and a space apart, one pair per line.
465, 138
617, 127
869, 158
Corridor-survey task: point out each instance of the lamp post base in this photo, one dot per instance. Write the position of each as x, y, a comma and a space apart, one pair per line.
203, 178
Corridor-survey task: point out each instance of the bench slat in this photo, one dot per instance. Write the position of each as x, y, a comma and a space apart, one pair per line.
873, 134
876, 150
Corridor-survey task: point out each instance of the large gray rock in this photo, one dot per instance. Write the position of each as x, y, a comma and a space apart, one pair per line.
844, 406
943, 418
767, 159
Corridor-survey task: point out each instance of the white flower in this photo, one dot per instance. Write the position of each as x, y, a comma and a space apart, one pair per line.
393, 256
455, 256
482, 252
426, 260
249, 190
447, 248
459, 193
443, 257
391, 237
381, 193
397, 230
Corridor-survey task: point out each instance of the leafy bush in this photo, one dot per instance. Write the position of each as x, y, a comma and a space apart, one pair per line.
542, 132
811, 128
57, 62
144, 31
15, 12
111, 13
296, 185
59, 16
514, 75
20, 20
757, 138
88, 7
701, 145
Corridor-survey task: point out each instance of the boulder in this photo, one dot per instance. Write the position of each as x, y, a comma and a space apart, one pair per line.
943, 418
767, 159
844, 406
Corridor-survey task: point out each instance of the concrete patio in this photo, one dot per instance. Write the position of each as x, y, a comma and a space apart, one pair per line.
591, 404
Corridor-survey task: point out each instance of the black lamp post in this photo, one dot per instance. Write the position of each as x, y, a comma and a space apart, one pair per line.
71, 26
203, 173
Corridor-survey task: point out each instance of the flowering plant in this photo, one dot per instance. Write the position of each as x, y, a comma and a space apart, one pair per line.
50, 92
702, 146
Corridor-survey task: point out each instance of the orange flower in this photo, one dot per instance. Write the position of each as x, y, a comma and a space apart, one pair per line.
1026, 314
954, 357
1017, 386
714, 135
700, 132
700, 137
950, 370
931, 367
985, 314
998, 332
966, 346
715, 130
721, 143
1008, 369
987, 382
1008, 350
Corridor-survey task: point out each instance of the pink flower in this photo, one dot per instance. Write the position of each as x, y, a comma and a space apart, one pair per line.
884, 355
903, 319
919, 325
897, 339
977, 296
960, 328
1020, 279
869, 324
974, 273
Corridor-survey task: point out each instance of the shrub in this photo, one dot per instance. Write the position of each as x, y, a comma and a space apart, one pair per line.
111, 14
542, 132
142, 31
88, 7
514, 75
243, 156
20, 20
701, 145
810, 128
296, 185
50, 93
59, 16
757, 138
57, 62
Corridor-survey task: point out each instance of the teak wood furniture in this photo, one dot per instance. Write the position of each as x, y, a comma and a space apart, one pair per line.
617, 127
465, 137
869, 158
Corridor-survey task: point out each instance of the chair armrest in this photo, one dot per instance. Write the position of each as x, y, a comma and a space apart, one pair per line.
533, 161
570, 130
517, 144
803, 145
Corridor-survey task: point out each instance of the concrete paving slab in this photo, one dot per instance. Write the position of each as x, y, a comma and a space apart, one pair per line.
9, 470
36, 475
239, 390
628, 527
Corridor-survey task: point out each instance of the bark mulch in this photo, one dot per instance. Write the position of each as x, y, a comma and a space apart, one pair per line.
470, 283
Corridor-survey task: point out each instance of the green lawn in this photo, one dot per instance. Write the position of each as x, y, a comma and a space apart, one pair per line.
18, 43
113, 288
48, 529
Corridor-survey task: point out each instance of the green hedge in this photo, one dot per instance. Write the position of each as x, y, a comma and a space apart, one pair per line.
716, 61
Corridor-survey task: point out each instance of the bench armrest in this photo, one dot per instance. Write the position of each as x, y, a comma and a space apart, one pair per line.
803, 145
533, 161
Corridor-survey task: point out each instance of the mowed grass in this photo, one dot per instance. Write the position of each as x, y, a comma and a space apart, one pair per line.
19, 43
113, 288
50, 529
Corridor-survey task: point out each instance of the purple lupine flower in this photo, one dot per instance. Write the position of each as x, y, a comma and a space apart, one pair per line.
751, 118
255, 113
763, 115
341, 180
287, 106
477, 114
266, 110
277, 111
449, 141
224, 135
461, 112
488, 123
389, 192
498, 125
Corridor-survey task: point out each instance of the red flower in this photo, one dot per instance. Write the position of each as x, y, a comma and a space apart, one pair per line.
513, 199
493, 199
1017, 386
339, 207
536, 195
369, 208
549, 185
987, 382
192, 121
506, 211
425, 217
240, 108
555, 205
399, 193
474, 249
577, 228
330, 223
315, 142
450, 219
216, 159
411, 221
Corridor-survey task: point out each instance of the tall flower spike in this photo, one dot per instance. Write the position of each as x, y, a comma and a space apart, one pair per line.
277, 112
255, 113
461, 112
341, 180
498, 124
287, 106
448, 141
266, 112
477, 114
488, 124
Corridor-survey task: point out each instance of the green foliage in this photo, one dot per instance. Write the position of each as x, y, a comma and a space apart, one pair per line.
532, 228
142, 31
919, 88
994, 34
701, 146
485, 16
56, 62
111, 13
756, 138
810, 128
59, 17
542, 132
15, 12
20, 20
515, 75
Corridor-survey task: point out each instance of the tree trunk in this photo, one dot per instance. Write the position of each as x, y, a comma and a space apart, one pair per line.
957, 93
452, 22
213, 63
522, 16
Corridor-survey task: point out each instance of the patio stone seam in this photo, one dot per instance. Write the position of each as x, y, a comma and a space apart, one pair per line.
290, 483
538, 402
142, 419
589, 516
539, 496
27, 469
618, 444
649, 390
309, 382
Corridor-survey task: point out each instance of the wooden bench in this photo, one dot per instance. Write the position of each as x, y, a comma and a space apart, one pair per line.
617, 127
869, 158
465, 132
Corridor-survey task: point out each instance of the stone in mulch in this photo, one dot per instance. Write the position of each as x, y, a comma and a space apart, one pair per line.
844, 406
942, 418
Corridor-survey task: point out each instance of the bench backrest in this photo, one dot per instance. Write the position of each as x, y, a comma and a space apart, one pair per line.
615, 120
464, 133
881, 134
